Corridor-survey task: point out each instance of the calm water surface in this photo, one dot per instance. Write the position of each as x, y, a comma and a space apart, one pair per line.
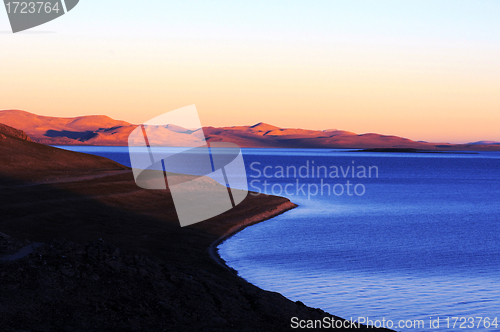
420, 240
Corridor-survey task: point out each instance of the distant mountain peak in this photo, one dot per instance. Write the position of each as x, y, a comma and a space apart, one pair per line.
264, 126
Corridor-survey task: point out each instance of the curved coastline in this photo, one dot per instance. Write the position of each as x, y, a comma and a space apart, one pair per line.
258, 218
255, 219
120, 249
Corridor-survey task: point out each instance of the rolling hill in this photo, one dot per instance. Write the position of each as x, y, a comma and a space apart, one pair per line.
24, 160
102, 130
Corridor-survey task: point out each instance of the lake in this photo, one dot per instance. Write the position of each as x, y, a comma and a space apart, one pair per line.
404, 237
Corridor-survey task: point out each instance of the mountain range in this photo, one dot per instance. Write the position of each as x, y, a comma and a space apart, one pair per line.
103, 130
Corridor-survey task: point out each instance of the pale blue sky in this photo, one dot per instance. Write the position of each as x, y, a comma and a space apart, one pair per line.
422, 69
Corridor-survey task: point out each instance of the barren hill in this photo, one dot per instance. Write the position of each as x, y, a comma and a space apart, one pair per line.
102, 130
87, 130
22, 159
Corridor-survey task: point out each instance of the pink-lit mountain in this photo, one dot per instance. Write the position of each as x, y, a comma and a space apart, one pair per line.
102, 130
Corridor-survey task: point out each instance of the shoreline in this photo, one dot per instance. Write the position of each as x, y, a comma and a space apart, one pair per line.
114, 256
112, 238
213, 251
106, 237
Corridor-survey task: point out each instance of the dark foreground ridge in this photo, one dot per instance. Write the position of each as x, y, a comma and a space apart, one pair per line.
101, 254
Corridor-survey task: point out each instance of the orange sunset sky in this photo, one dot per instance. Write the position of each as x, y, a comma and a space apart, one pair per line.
426, 70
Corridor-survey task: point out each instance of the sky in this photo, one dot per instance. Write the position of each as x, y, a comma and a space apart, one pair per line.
425, 70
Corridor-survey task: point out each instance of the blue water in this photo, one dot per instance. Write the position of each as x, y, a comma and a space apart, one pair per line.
420, 240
